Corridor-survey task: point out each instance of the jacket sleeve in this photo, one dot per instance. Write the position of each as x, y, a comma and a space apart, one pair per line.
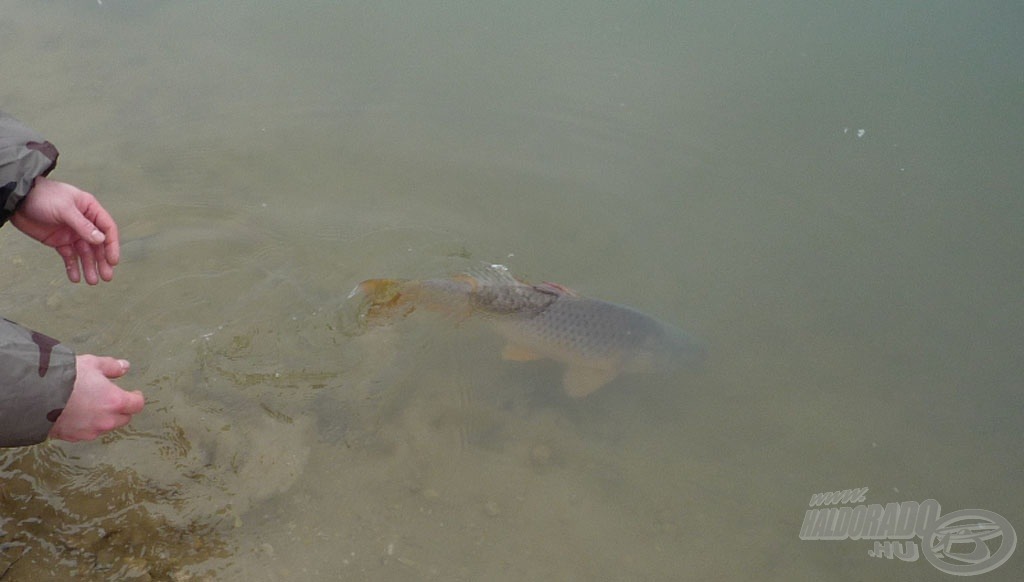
24, 156
37, 374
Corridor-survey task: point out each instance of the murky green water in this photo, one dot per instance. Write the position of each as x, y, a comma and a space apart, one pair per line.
830, 194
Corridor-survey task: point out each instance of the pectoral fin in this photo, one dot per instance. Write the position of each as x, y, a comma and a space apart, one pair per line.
580, 381
518, 353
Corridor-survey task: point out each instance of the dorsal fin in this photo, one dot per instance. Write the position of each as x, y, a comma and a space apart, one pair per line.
555, 289
492, 275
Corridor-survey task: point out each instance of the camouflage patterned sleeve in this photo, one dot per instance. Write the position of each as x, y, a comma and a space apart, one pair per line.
24, 156
37, 374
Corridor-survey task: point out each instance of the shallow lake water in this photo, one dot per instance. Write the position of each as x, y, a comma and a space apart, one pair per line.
828, 194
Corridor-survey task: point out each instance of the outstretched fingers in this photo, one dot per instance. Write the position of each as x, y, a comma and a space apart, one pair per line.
133, 403
67, 253
87, 258
111, 238
95, 225
122, 404
97, 248
81, 258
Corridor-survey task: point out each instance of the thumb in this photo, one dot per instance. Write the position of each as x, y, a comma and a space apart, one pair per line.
113, 367
82, 226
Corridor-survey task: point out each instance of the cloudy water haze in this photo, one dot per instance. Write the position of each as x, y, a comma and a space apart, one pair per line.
828, 194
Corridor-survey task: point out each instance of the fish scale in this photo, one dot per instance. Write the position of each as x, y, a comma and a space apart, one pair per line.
596, 340
598, 329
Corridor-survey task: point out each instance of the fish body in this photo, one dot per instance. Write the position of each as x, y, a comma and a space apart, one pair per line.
596, 340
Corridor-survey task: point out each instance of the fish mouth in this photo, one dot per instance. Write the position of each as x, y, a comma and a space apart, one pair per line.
375, 289
380, 301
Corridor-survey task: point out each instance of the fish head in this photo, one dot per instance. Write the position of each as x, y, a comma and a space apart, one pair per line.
382, 300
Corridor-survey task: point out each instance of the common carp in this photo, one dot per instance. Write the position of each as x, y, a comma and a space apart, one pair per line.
596, 340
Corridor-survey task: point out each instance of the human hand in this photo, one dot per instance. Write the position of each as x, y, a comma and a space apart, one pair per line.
72, 221
96, 405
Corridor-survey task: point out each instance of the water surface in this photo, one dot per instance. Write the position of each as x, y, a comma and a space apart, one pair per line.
829, 194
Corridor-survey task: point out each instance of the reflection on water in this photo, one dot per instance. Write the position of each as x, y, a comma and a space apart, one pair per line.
859, 291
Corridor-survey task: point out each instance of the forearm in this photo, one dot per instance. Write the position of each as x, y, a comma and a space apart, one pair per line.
24, 156
37, 375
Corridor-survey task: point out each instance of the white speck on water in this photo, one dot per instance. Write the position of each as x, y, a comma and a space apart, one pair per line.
860, 133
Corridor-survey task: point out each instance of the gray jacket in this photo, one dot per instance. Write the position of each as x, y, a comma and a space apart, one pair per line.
37, 372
